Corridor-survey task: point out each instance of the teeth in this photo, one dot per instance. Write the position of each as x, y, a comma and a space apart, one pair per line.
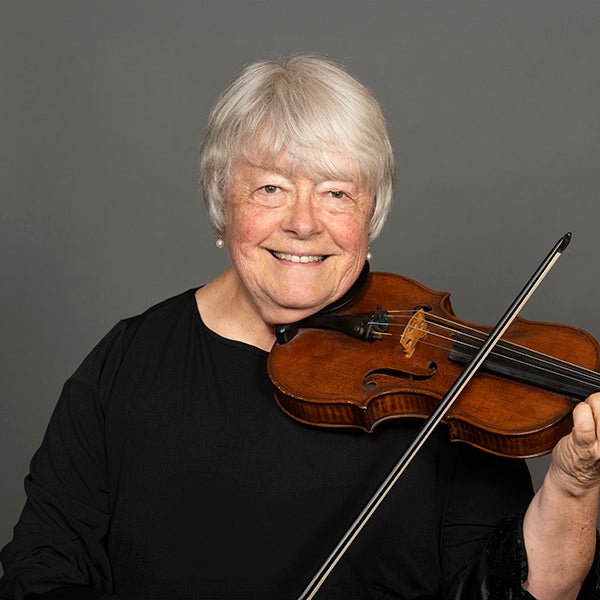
296, 258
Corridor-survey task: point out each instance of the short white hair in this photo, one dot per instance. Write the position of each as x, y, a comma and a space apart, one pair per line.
310, 110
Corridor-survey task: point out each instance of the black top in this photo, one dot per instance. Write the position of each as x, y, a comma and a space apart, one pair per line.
168, 472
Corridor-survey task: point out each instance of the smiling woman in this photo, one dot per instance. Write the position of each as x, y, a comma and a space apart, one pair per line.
297, 171
296, 245
167, 471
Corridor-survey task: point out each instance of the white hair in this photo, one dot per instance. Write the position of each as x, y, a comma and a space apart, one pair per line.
322, 120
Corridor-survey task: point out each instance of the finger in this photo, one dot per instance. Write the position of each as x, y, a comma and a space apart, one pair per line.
585, 427
594, 402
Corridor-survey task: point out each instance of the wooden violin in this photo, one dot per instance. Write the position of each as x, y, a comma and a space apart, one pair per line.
397, 346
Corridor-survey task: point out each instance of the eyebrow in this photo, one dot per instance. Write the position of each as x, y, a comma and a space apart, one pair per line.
317, 175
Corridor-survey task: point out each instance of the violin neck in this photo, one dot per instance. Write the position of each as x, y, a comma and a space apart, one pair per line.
527, 366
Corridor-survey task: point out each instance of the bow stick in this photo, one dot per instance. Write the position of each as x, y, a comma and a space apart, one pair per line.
434, 419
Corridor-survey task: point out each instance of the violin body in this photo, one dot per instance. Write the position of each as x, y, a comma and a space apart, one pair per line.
327, 378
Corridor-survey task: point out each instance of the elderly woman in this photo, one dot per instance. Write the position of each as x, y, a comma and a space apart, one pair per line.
168, 472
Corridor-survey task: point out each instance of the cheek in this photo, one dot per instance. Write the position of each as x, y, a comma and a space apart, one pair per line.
246, 228
351, 233
239, 223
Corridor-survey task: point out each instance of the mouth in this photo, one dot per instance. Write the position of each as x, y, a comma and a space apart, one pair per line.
298, 258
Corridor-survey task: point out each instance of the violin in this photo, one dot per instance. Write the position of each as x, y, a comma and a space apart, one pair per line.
395, 347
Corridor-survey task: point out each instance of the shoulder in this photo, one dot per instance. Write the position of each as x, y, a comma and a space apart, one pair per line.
182, 305
137, 334
162, 316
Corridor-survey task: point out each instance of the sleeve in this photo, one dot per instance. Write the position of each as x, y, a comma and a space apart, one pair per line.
59, 538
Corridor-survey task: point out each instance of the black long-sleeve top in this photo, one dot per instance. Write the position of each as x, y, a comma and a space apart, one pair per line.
168, 472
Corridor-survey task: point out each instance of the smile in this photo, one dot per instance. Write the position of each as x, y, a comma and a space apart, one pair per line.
295, 258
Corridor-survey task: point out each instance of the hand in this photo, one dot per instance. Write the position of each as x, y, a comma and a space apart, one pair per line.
576, 458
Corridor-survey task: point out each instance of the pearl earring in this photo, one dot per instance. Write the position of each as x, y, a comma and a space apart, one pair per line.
369, 254
220, 243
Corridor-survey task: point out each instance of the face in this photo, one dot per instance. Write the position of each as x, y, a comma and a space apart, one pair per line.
296, 244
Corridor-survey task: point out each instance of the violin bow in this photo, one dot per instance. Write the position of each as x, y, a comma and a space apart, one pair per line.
436, 416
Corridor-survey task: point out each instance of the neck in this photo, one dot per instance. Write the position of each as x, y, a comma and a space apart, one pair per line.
227, 310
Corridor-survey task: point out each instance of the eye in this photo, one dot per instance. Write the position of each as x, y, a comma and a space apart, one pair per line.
269, 189
338, 194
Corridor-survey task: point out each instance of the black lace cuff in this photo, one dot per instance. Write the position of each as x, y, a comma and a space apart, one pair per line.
503, 567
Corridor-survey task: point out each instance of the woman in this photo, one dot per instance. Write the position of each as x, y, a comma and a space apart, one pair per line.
167, 470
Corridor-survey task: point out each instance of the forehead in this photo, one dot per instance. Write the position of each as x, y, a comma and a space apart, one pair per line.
317, 165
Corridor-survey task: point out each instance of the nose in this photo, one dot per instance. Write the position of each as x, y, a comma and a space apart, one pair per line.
302, 219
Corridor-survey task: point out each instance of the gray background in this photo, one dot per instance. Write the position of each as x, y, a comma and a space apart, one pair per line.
493, 112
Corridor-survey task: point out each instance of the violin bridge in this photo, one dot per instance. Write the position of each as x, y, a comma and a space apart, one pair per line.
415, 329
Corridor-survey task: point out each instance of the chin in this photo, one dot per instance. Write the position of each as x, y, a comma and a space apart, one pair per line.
290, 312
299, 298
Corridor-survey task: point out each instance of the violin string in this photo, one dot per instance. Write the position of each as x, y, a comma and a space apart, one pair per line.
480, 336
514, 360
592, 376
549, 371
583, 375
557, 367
526, 352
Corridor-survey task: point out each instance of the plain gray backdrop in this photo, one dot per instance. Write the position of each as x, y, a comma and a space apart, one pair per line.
493, 110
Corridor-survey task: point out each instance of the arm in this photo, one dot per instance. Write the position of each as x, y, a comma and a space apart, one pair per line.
58, 540
560, 524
